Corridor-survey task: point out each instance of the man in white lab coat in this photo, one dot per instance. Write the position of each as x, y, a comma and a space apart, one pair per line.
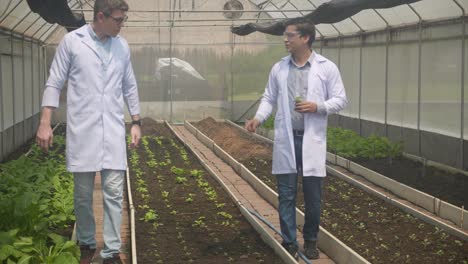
96, 63
305, 87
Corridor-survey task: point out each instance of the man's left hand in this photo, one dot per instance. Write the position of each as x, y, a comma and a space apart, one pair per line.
306, 107
135, 132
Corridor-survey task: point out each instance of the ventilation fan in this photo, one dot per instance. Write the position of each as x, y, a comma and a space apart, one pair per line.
233, 9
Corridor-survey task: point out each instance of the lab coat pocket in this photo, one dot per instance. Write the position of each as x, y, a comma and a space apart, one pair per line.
317, 91
279, 128
316, 127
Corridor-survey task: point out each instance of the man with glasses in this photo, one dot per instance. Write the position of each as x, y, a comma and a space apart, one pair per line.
305, 87
96, 63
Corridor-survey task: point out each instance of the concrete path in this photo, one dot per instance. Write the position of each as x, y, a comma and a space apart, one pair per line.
240, 188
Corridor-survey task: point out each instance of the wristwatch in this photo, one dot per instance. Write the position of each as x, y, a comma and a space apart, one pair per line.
136, 122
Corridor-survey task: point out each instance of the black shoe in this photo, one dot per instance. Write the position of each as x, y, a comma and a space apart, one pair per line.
310, 249
292, 249
87, 254
115, 259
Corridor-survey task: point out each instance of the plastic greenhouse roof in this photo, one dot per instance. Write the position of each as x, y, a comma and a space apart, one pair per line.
16, 16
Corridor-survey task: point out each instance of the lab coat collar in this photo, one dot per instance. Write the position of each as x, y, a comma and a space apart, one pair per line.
85, 35
315, 57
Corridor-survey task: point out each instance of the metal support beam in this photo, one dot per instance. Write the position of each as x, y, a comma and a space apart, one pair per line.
13, 85
462, 88
23, 88
2, 118
204, 11
360, 85
420, 24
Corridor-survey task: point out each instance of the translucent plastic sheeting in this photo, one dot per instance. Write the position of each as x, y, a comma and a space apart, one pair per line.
347, 27
403, 85
349, 68
171, 92
154, 93
48, 30
36, 84
7, 91
250, 75
5, 44
373, 84
441, 87
443, 31
399, 15
26, 21
14, 16
437, 9
18, 88
331, 54
369, 20
19, 18
28, 89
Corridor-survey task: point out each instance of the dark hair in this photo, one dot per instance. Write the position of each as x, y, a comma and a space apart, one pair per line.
107, 6
304, 27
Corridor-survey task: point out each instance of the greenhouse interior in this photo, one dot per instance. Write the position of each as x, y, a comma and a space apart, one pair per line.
200, 187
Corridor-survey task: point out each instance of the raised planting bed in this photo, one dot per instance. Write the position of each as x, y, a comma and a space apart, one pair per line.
36, 206
380, 232
375, 153
384, 157
182, 214
348, 144
450, 187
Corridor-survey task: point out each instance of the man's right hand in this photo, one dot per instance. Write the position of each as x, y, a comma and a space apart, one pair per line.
252, 125
44, 137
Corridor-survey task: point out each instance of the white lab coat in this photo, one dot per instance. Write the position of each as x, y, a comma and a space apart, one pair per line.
327, 90
95, 100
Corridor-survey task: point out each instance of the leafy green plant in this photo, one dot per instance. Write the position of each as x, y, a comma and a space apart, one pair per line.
196, 173
177, 171
180, 180
200, 222
348, 144
150, 215
53, 249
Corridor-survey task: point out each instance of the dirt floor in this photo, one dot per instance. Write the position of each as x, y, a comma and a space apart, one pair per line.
182, 214
379, 232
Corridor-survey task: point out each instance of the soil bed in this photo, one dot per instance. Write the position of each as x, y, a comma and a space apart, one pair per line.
182, 214
378, 231
446, 186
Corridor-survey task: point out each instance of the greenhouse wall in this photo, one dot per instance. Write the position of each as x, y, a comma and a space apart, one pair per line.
408, 84
403, 83
22, 77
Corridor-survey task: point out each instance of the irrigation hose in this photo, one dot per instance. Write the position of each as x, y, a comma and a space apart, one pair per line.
302, 256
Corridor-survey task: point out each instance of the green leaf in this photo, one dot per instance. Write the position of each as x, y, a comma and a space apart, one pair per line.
57, 239
7, 251
65, 257
24, 259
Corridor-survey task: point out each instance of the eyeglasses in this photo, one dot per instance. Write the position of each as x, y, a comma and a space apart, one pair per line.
119, 20
291, 34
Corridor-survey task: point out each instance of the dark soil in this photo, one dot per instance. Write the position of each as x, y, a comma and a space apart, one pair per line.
196, 221
446, 186
378, 231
